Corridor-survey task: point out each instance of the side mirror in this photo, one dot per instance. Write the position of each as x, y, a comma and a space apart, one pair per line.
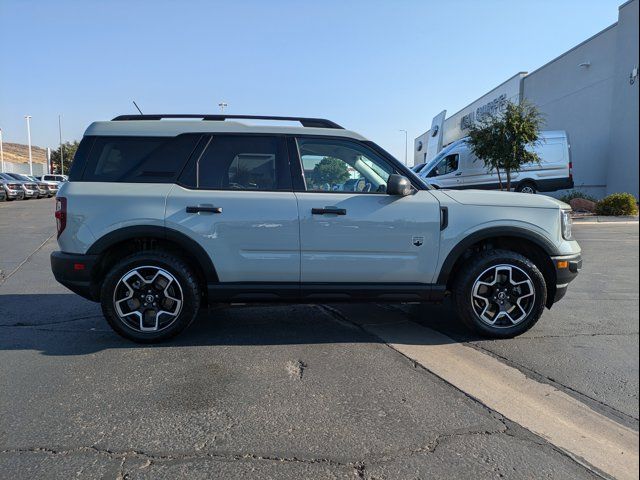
398, 185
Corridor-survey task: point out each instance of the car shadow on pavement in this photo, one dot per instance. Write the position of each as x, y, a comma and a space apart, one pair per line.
63, 324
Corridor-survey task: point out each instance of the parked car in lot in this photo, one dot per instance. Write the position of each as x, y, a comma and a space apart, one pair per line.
53, 181
44, 188
29, 187
457, 167
12, 187
41, 188
160, 218
3, 194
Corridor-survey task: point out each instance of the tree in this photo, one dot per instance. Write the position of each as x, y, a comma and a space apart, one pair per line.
504, 142
330, 171
69, 150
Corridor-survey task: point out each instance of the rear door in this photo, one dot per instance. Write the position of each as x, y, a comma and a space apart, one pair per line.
358, 233
235, 199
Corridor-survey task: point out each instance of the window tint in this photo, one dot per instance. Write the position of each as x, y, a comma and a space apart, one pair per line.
136, 159
239, 162
342, 166
448, 164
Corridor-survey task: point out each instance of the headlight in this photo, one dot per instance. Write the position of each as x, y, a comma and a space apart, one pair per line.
566, 222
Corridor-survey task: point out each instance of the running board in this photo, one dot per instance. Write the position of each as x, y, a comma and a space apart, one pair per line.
324, 292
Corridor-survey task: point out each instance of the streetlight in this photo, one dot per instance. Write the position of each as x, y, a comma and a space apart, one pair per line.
1, 152
222, 106
61, 147
406, 144
28, 118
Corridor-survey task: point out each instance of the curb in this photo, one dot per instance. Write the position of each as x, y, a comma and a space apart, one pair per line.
594, 219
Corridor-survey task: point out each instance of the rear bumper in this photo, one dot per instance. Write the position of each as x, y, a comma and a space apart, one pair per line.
565, 274
74, 272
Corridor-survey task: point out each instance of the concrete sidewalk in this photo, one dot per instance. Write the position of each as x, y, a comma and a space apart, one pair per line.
586, 218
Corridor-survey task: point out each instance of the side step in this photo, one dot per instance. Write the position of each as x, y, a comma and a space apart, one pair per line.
324, 292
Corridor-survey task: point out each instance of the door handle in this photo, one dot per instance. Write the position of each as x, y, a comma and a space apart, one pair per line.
329, 210
199, 208
458, 174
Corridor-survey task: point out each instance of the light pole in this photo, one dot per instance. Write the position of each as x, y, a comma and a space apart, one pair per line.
222, 106
61, 148
1, 152
406, 144
28, 118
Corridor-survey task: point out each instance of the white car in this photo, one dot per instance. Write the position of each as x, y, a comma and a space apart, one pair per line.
161, 217
456, 167
54, 181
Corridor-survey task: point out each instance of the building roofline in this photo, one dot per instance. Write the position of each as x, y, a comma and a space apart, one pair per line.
523, 74
625, 4
575, 47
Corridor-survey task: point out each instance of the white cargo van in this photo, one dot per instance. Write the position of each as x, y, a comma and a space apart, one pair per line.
458, 168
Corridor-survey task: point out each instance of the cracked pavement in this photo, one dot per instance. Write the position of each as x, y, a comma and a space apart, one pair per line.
277, 391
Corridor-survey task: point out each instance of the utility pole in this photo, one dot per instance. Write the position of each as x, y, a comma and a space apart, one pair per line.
1, 152
222, 106
61, 147
28, 118
406, 145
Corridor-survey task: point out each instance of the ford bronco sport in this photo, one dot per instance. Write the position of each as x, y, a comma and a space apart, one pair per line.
164, 214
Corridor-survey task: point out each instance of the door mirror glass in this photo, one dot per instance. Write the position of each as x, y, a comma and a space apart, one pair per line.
398, 185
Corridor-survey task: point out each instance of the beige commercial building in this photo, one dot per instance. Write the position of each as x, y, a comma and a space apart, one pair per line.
590, 91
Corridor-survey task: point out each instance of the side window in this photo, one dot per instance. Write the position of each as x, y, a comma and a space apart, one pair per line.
240, 162
448, 164
137, 159
342, 166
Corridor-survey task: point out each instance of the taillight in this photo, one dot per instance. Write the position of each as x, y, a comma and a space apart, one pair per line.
570, 169
61, 214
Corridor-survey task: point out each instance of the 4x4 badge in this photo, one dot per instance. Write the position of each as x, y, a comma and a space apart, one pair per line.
418, 241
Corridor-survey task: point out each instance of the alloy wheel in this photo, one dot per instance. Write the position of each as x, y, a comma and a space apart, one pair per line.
502, 296
148, 299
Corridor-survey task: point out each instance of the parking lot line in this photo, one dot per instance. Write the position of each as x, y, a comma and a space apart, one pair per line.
587, 436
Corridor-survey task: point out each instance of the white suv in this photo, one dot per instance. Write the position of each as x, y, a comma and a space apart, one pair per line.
162, 216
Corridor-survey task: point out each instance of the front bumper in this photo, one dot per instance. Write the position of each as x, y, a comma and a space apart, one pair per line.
31, 193
14, 194
567, 269
74, 272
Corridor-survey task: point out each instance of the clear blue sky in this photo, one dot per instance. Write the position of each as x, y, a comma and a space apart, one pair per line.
374, 67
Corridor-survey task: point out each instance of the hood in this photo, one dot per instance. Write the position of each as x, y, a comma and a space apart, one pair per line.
504, 199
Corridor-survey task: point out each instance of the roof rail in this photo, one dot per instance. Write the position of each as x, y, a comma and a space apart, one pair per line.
305, 122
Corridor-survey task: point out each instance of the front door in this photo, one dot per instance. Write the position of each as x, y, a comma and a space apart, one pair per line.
235, 199
350, 229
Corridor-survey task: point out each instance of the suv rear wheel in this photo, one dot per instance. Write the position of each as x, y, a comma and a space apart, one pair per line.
150, 296
500, 294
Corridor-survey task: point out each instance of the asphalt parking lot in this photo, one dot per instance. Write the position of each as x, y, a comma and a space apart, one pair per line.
291, 391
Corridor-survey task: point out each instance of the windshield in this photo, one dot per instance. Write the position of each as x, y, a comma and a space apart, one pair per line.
434, 161
22, 178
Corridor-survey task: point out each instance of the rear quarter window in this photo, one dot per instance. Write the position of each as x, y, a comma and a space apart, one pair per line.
128, 159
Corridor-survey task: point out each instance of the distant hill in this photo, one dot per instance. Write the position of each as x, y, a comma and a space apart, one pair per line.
18, 153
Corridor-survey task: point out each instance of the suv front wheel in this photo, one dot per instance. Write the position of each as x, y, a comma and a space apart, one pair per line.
500, 294
150, 296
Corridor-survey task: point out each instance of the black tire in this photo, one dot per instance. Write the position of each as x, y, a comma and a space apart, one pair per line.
187, 286
466, 305
527, 187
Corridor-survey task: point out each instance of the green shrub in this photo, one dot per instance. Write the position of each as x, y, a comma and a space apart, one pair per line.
617, 204
570, 195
